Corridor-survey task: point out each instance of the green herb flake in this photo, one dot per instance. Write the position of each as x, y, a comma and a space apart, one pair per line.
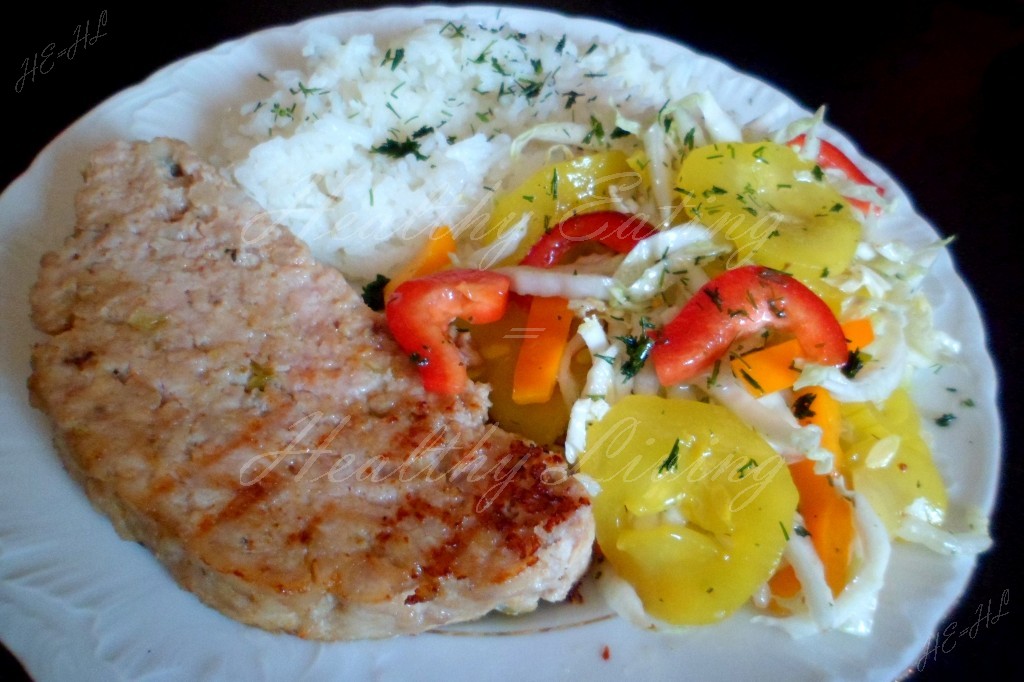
967, 402
607, 358
422, 132
713, 379
818, 174
283, 112
671, 462
560, 45
802, 406
554, 184
531, 89
306, 92
638, 348
396, 150
619, 132
456, 31
854, 364
482, 57
946, 419
802, 532
688, 138
373, 293
570, 98
259, 377
596, 130
537, 66
497, 67
836, 207
751, 380
743, 470
715, 297
785, 534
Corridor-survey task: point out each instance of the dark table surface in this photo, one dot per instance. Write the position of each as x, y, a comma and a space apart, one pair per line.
924, 88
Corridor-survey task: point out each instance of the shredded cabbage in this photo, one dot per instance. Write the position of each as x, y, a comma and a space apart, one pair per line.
623, 295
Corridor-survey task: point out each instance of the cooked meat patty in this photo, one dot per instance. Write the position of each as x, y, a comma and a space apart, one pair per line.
234, 406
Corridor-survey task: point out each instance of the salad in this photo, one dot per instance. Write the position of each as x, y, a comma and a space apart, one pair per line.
704, 314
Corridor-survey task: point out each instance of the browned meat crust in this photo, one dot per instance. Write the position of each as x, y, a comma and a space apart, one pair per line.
234, 406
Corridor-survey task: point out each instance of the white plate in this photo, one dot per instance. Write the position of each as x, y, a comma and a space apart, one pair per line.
76, 601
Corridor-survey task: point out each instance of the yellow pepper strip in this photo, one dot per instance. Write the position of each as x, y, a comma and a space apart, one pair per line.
771, 369
828, 516
433, 258
544, 341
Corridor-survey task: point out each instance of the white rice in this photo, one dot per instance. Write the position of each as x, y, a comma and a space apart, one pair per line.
303, 150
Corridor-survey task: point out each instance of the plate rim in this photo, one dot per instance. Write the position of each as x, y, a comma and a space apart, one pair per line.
99, 110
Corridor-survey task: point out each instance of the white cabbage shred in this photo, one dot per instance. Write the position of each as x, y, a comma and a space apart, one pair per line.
883, 283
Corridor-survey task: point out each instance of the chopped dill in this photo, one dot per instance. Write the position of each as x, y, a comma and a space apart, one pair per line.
802, 406
854, 364
373, 293
396, 150
671, 462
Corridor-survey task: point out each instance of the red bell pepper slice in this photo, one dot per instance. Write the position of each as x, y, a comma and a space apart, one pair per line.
618, 231
829, 156
420, 311
740, 303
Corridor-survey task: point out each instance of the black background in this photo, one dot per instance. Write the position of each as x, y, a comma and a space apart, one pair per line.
927, 89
